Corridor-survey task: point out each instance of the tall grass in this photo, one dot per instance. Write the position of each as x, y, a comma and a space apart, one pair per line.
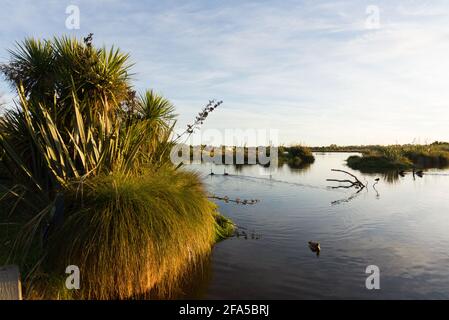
132, 234
91, 160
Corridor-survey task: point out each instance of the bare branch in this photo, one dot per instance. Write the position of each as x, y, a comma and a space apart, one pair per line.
342, 181
356, 179
356, 183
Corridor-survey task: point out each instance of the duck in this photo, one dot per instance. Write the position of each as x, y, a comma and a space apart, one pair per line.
377, 179
315, 247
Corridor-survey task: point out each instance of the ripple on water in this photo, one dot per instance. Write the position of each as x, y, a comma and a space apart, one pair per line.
403, 230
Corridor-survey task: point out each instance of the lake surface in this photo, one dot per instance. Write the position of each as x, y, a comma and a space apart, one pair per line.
403, 228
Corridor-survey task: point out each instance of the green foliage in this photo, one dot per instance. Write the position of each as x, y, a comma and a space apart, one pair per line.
295, 156
375, 163
80, 133
51, 154
381, 158
301, 152
132, 233
157, 109
224, 227
46, 68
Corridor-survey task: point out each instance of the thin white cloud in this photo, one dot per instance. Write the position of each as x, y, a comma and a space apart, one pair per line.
309, 68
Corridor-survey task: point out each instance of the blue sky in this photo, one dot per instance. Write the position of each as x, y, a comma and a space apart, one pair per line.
314, 70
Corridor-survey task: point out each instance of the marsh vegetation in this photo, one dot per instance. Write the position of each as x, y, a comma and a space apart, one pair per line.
398, 223
295, 156
87, 178
401, 157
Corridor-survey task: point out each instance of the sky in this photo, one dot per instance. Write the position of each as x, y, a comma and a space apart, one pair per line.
316, 72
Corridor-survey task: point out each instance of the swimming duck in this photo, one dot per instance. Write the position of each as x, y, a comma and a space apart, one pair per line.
315, 247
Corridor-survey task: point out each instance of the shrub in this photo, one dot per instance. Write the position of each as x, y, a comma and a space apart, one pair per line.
96, 156
380, 158
296, 156
132, 234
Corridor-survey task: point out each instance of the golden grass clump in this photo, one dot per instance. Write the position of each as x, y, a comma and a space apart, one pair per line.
90, 160
130, 235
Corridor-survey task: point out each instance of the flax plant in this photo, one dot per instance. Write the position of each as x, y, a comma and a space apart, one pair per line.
88, 169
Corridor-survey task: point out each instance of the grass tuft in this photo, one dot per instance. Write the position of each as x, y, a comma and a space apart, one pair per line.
130, 235
224, 227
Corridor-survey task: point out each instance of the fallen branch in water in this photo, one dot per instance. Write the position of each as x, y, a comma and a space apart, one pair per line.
356, 183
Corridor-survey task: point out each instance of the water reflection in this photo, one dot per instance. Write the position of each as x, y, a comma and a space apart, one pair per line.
347, 199
193, 285
397, 223
391, 176
239, 167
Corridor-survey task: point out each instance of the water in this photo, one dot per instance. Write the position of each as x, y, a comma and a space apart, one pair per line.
402, 228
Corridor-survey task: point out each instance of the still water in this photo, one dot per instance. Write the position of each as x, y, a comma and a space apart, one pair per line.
403, 228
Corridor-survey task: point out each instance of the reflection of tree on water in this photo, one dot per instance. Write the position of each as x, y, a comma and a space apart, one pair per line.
347, 199
395, 176
304, 167
296, 168
194, 284
391, 176
387, 176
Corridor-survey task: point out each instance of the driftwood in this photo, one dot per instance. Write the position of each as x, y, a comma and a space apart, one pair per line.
356, 183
